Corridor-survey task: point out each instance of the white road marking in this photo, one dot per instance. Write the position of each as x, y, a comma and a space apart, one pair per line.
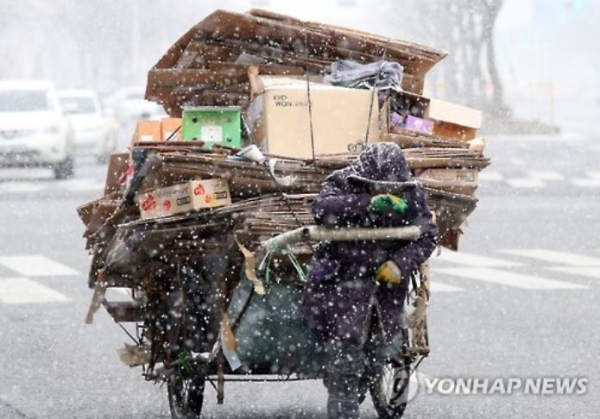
558, 258
592, 272
472, 260
587, 183
24, 290
595, 175
510, 279
437, 287
545, 138
20, 187
490, 176
118, 294
526, 182
88, 184
35, 265
546, 175
76, 185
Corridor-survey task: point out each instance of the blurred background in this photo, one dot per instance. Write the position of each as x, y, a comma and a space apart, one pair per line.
530, 60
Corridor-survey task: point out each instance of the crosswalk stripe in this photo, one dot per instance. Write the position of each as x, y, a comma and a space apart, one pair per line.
438, 287
510, 279
35, 265
592, 272
526, 182
19, 187
556, 257
82, 184
24, 290
546, 175
469, 259
587, 183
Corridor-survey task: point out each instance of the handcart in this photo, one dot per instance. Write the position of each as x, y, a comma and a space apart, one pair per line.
201, 327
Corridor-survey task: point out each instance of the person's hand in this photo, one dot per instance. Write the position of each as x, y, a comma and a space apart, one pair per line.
389, 272
388, 203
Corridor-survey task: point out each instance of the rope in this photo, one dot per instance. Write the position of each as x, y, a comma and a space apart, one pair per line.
385, 50
310, 121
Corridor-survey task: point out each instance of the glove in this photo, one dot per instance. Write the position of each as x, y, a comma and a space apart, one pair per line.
388, 203
389, 272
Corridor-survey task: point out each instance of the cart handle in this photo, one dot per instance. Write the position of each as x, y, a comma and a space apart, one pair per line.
319, 233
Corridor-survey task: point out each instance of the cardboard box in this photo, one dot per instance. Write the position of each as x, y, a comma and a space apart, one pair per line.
118, 165
171, 129
193, 195
453, 121
147, 131
450, 121
280, 123
213, 125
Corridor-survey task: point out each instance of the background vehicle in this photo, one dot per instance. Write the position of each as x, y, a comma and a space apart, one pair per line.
93, 132
33, 130
128, 105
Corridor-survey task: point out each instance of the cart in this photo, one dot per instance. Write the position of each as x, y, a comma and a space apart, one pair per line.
201, 327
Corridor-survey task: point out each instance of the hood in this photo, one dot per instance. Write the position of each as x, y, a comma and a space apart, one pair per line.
28, 120
382, 161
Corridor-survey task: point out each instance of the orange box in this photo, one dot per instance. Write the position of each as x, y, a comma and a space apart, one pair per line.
169, 126
147, 131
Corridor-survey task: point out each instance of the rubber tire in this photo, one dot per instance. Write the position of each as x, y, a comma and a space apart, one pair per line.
64, 169
386, 388
186, 404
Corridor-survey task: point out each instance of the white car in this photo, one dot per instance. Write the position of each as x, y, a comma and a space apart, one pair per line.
33, 130
93, 133
128, 105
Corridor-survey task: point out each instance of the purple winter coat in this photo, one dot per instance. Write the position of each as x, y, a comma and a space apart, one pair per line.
342, 289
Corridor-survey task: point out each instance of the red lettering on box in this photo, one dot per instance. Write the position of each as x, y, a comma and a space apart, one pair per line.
149, 203
199, 190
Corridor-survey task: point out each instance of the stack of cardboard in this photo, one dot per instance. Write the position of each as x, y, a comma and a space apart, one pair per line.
183, 190
208, 64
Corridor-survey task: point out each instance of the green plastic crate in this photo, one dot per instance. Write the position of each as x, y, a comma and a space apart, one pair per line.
213, 125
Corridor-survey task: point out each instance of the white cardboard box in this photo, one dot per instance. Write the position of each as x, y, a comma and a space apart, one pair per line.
193, 195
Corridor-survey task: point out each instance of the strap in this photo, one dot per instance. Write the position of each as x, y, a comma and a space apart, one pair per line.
249, 269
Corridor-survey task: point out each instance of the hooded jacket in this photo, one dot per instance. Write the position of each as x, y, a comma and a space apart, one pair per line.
341, 204
338, 302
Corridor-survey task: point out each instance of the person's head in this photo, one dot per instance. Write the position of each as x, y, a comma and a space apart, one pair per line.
382, 161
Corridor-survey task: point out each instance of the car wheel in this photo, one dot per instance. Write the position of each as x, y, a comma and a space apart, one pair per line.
64, 169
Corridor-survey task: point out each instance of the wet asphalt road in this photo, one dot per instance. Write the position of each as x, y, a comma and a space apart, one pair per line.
538, 222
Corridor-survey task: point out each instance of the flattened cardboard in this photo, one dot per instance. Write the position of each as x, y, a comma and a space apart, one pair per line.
118, 165
463, 181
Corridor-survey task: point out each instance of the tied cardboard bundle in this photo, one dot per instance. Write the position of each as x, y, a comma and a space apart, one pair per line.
194, 195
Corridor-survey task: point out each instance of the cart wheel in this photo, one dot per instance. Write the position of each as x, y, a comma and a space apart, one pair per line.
186, 395
390, 391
